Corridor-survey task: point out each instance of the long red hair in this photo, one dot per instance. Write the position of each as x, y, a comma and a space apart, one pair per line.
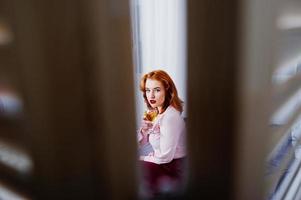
171, 93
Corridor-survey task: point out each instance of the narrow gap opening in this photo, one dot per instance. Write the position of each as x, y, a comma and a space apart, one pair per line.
159, 35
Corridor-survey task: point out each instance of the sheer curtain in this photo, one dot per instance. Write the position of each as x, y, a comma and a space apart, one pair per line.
161, 42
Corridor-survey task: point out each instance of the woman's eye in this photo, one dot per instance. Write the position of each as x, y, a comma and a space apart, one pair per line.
147, 91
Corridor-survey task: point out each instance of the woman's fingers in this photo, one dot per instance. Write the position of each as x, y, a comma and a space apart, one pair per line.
147, 124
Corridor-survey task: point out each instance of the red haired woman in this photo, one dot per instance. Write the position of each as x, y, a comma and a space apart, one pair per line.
163, 166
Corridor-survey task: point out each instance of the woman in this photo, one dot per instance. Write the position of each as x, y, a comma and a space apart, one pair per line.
163, 166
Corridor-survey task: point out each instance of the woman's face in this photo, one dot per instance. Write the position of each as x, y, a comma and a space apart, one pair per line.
155, 93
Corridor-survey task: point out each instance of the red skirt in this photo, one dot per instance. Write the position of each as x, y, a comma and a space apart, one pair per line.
167, 177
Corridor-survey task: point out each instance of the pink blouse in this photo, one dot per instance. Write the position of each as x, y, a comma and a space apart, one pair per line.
167, 137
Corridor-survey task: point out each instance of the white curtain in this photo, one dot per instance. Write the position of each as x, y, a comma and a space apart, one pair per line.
162, 41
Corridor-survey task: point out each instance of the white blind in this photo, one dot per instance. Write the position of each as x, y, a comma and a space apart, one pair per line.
284, 160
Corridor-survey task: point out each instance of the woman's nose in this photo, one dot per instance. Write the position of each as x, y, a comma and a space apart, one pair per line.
152, 94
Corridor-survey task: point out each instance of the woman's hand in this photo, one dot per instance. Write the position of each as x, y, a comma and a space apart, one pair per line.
146, 126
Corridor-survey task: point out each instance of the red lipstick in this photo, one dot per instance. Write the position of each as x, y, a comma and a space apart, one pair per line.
152, 101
